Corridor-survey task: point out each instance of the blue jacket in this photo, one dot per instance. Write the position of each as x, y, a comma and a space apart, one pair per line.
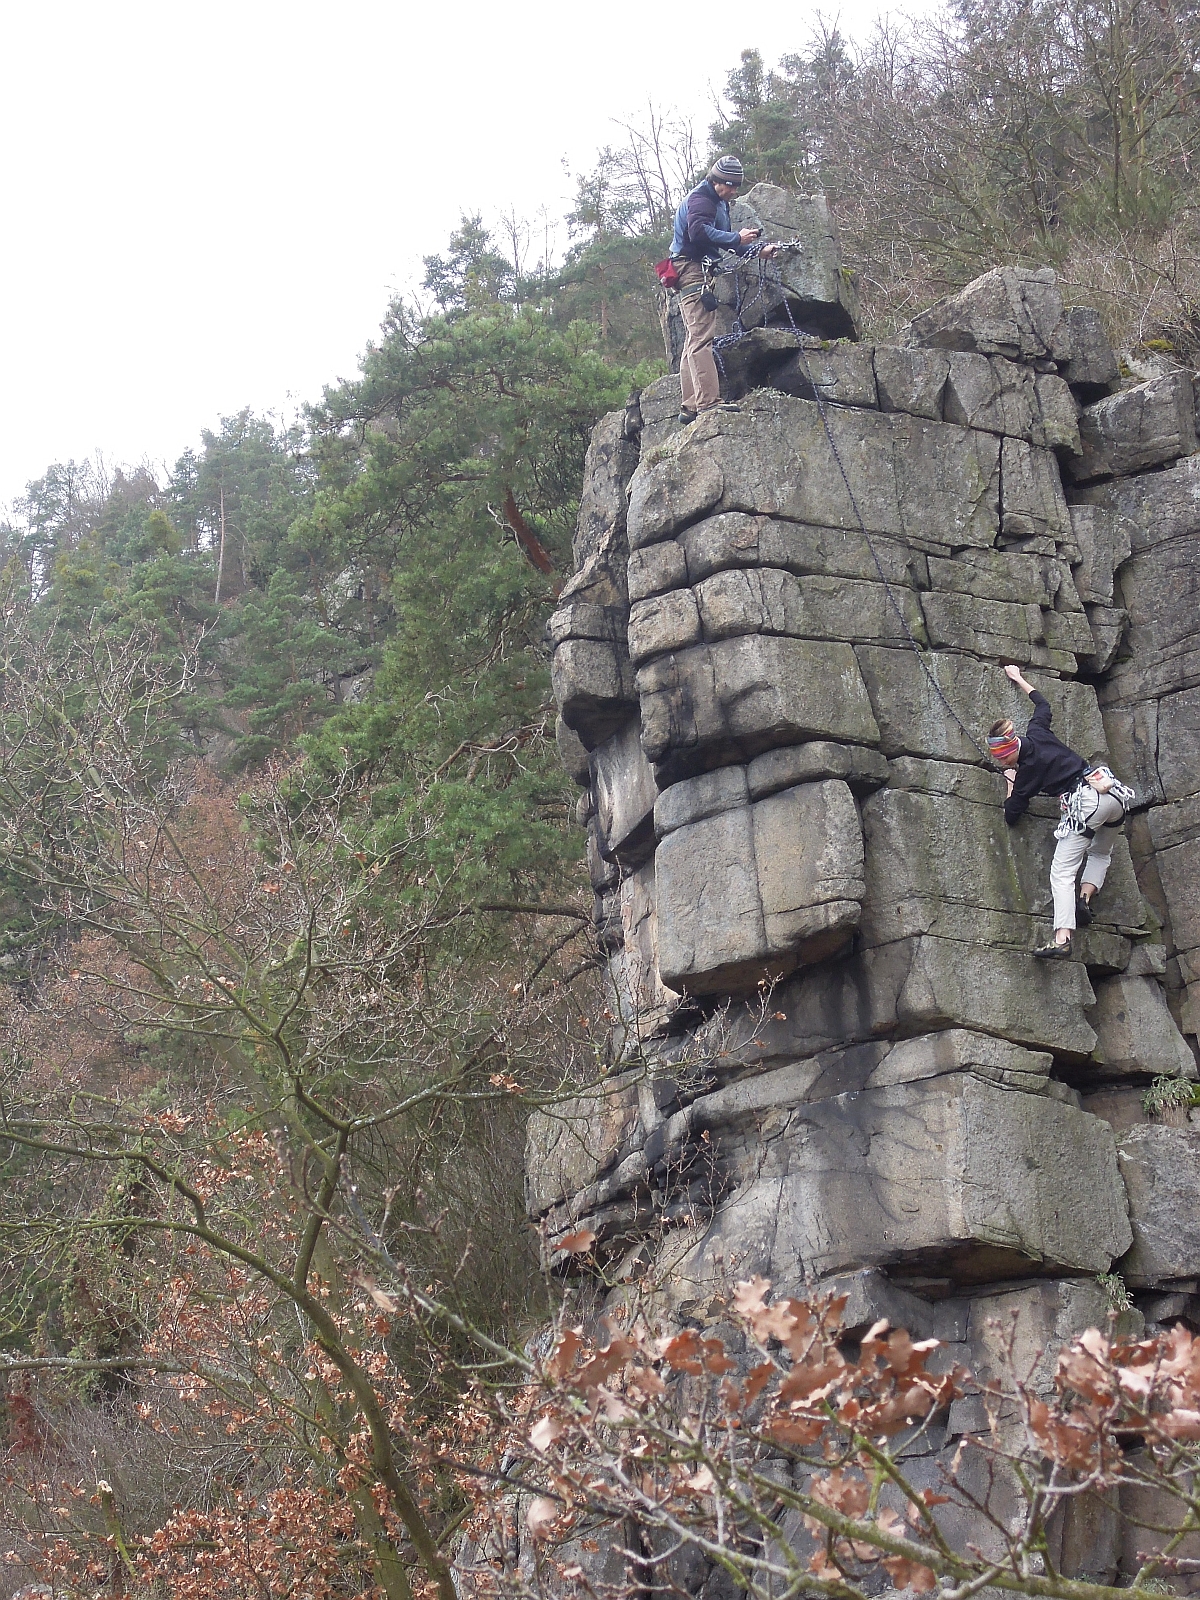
702, 226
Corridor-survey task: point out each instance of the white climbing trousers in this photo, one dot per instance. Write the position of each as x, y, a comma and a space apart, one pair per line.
1095, 854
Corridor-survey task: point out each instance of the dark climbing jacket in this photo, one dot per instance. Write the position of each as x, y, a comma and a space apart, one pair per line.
702, 226
1045, 764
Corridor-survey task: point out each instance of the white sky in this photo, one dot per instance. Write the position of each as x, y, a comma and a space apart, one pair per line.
206, 206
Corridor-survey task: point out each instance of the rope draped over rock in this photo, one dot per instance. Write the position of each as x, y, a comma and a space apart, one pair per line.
808, 341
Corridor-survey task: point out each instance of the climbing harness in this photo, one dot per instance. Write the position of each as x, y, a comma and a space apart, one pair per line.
806, 341
1078, 805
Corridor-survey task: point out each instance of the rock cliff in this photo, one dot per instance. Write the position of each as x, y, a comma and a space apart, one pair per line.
837, 1061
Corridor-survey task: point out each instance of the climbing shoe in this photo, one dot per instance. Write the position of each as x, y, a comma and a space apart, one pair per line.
1083, 912
1054, 951
686, 418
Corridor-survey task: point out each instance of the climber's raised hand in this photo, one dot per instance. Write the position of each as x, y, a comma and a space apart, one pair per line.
1014, 673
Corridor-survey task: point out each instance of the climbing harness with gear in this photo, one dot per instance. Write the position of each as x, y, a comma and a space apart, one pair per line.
808, 341
1078, 805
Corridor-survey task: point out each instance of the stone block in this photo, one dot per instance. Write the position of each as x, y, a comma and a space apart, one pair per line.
722, 703
1019, 1332
1108, 626
1159, 508
997, 629
655, 569
572, 753
768, 600
913, 381
1136, 1036
1103, 538
1056, 416
725, 789
755, 359
625, 791
918, 1178
643, 1004
1179, 743
674, 485
583, 619
570, 1143
607, 468
1092, 365
821, 295
659, 404
1034, 505
932, 1055
774, 458
842, 374
593, 683
1179, 872
1161, 1169
913, 720
758, 890
735, 540
995, 395
862, 769
925, 983
661, 624
1010, 311
1145, 426
1007, 575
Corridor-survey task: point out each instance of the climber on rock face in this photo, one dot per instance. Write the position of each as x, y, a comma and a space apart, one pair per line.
1093, 805
702, 231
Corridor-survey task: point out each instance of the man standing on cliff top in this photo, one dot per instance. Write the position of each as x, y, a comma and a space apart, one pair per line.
702, 231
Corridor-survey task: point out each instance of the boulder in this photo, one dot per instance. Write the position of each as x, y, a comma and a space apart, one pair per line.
1031, 493
1010, 311
774, 457
862, 769
918, 1178
1136, 1036
625, 792
1161, 1169
1092, 366
593, 683
726, 702
914, 720
820, 295
608, 466
755, 891
1145, 426
841, 374
1103, 538
735, 540
696, 798
911, 380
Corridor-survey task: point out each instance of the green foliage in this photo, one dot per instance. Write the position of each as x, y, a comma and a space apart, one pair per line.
1168, 1094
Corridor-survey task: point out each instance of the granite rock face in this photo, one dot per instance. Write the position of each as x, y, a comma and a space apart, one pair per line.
835, 1059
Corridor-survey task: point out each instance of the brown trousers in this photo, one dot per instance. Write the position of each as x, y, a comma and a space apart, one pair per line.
700, 387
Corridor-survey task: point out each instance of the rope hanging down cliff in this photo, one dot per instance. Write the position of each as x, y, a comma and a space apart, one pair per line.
770, 272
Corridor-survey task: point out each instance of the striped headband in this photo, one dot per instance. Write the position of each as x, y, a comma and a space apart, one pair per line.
1005, 750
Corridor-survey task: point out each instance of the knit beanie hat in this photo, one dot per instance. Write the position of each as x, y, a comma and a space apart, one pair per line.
728, 170
1004, 750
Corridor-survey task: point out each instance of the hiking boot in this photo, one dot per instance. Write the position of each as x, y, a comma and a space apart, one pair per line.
1083, 912
686, 418
1054, 951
